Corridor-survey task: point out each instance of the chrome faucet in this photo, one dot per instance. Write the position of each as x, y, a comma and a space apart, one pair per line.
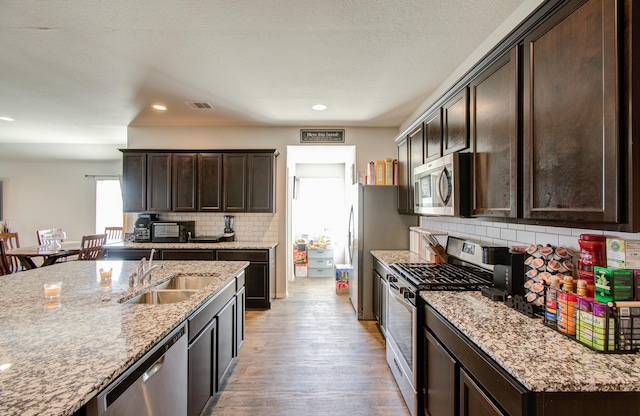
142, 274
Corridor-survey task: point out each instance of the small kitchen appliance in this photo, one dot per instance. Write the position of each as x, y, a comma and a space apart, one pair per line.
229, 234
172, 232
142, 227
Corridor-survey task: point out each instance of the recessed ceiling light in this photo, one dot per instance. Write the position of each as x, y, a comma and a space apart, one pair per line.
159, 107
319, 107
6, 119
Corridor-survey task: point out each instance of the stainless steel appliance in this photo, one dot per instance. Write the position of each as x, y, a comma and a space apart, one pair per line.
142, 227
464, 270
374, 224
441, 187
154, 385
172, 232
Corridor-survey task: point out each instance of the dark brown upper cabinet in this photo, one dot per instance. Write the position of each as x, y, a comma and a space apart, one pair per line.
261, 182
570, 110
455, 121
493, 112
433, 136
404, 183
234, 191
216, 181
210, 182
158, 182
134, 178
183, 183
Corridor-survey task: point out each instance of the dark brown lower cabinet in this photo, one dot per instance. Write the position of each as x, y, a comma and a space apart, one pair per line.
241, 304
473, 401
441, 379
202, 369
180, 254
213, 343
258, 275
460, 379
127, 253
225, 348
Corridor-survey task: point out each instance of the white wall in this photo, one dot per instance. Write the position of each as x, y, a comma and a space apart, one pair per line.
39, 195
371, 144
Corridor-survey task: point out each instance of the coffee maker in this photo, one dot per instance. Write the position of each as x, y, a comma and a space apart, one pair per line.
229, 234
142, 227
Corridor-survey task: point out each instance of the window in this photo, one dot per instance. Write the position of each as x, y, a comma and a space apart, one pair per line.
108, 204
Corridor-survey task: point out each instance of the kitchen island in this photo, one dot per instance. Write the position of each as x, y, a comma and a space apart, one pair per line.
260, 275
507, 363
55, 358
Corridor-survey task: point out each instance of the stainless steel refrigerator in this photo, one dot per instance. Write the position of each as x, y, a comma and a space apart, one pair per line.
374, 224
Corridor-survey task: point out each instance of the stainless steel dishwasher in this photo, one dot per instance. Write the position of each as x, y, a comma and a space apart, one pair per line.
155, 385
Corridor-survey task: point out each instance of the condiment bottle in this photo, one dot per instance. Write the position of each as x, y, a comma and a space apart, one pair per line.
593, 252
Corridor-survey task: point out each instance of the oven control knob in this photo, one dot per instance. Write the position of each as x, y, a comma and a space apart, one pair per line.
391, 278
408, 294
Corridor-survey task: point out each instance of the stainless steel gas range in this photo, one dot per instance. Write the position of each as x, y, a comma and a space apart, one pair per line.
463, 271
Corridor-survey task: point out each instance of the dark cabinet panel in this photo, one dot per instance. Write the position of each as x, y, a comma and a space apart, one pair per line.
441, 379
158, 182
405, 181
455, 120
202, 370
234, 182
182, 254
570, 108
261, 182
183, 183
226, 340
257, 275
128, 253
210, 182
493, 111
473, 401
433, 136
241, 299
134, 178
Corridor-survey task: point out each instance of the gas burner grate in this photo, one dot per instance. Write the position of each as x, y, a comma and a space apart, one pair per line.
443, 276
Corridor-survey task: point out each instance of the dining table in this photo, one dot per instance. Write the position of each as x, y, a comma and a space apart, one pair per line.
50, 254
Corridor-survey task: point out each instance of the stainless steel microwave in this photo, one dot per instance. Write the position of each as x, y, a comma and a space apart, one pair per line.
441, 187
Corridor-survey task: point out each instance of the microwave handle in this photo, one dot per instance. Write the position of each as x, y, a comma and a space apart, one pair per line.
443, 176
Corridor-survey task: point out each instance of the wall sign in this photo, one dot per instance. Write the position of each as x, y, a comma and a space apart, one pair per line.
321, 136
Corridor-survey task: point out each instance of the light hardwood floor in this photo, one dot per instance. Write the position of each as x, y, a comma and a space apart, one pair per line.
309, 355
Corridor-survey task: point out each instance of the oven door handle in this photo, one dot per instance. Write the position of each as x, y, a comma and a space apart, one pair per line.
396, 294
444, 185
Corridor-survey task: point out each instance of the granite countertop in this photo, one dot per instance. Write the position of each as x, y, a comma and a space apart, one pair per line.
540, 358
229, 245
62, 356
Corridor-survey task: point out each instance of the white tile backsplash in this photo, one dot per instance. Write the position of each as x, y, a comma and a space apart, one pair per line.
499, 233
250, 227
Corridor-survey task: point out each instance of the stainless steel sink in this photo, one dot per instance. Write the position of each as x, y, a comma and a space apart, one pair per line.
189, 281
161, 296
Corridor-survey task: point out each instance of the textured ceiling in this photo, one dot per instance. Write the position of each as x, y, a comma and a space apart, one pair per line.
82, 71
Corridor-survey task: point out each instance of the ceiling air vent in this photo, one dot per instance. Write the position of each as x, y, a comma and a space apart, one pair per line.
200, 105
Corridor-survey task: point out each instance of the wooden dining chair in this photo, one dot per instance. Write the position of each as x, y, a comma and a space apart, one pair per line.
113, 233
4, 262
11, 241
92, 247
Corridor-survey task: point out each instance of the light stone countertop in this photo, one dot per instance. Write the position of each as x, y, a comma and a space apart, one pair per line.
540, 358
63, 356
224, 245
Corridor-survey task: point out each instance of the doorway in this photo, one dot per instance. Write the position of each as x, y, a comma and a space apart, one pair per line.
318, 181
